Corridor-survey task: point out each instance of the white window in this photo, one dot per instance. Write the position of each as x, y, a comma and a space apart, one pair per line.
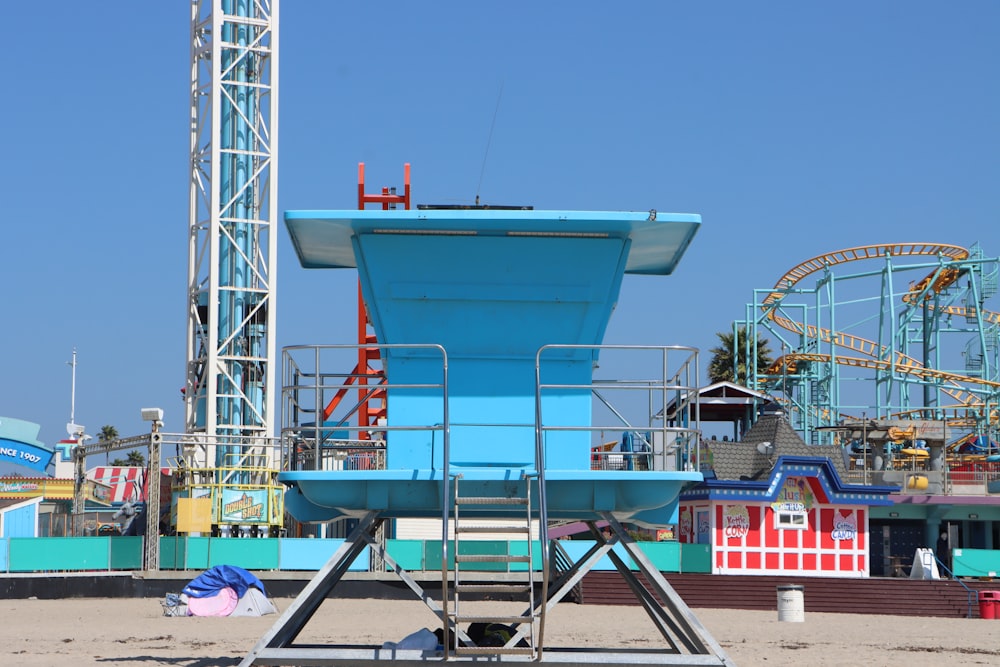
791, 519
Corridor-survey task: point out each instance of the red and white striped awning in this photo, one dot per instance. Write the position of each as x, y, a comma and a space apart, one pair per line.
127, 483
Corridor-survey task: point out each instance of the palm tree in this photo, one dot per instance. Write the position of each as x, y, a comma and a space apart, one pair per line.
135, 459
731, 356
107, 435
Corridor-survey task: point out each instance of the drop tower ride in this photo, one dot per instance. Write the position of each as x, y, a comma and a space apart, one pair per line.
232, 243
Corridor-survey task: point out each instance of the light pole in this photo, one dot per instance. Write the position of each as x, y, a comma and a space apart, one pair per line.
151, 553
79, 477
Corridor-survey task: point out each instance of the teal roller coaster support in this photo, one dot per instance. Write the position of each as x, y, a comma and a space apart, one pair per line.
890, 331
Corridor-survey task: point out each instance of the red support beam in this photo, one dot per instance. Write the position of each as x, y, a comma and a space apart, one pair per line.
372, 407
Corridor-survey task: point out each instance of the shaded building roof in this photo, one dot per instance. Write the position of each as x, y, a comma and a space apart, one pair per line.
757, 468
745, 461
723, 402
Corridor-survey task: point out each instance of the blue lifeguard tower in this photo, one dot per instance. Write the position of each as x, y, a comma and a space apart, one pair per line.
490, 326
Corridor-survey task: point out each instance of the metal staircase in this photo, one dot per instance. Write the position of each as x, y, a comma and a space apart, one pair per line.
497, 608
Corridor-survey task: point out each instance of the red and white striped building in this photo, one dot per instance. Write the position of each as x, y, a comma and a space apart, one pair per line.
773, 505
126, 482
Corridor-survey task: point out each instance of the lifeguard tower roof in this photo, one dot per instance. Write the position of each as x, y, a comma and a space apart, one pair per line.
492, 288
323, 239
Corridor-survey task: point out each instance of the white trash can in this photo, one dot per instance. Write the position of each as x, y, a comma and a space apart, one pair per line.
791, 603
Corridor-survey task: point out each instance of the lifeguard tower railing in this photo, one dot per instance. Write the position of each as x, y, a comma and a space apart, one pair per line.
628, 430
321, 431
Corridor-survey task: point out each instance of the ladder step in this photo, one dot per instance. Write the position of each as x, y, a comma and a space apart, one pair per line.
503, 620
489, 500
493, 529
494, 650
492, 588
490, 558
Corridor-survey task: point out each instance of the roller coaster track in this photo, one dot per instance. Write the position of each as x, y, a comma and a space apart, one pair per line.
988, 316
787, 363
878, 251
876, 352
935, 281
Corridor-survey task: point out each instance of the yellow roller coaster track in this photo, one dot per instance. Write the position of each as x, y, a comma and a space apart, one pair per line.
877, 251
902, 362
787, 364
936, 281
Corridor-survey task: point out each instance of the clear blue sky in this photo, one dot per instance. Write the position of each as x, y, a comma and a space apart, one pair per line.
793, 128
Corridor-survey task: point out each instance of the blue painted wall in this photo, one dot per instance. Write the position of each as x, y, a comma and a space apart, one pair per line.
21, 522
492, 303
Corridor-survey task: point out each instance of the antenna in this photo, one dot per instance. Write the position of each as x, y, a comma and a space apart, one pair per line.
489, 141
72, 429
765, 448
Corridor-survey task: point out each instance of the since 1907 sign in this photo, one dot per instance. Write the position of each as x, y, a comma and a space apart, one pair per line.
18, 445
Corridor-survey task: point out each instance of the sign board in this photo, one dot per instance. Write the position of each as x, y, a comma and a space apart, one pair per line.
34, 487
194, 515
19, 446
244, 506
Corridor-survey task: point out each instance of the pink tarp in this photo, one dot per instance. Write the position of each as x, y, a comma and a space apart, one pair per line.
220, 604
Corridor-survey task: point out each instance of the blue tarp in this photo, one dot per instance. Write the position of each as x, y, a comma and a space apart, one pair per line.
214, 579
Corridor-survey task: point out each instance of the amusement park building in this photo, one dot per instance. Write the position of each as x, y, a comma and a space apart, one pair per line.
772, 504
823, 493
40, 504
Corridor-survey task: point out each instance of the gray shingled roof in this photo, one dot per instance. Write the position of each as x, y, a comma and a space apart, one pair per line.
741, 460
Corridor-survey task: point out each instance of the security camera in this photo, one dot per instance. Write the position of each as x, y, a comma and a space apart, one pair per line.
152, 414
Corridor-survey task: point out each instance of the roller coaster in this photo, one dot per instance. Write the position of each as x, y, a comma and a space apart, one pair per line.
867, 344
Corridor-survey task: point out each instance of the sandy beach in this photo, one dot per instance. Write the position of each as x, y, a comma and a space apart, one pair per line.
134, 632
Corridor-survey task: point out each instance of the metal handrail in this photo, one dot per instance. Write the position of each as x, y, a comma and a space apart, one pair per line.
543, 506
445, 497
298, 381
970, 594
685, 394
679, 388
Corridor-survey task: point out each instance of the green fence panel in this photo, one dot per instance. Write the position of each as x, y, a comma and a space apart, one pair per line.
975, 562
33, 554
40, 554
482, 548
246, 552
173, 552
126, 553
431, 550
695, 558
665, 556
520, 548
432, 555
196, 553
409, 554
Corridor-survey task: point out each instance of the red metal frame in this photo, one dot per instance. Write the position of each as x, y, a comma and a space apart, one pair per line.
365, 373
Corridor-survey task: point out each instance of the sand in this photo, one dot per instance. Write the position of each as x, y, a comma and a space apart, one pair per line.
134, 632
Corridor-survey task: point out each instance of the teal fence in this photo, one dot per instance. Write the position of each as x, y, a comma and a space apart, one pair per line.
75, 554
975, 562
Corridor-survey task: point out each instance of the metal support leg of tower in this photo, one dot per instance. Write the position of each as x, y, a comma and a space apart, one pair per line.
689, 642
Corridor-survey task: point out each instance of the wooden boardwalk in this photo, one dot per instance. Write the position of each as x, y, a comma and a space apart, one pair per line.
894, 596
